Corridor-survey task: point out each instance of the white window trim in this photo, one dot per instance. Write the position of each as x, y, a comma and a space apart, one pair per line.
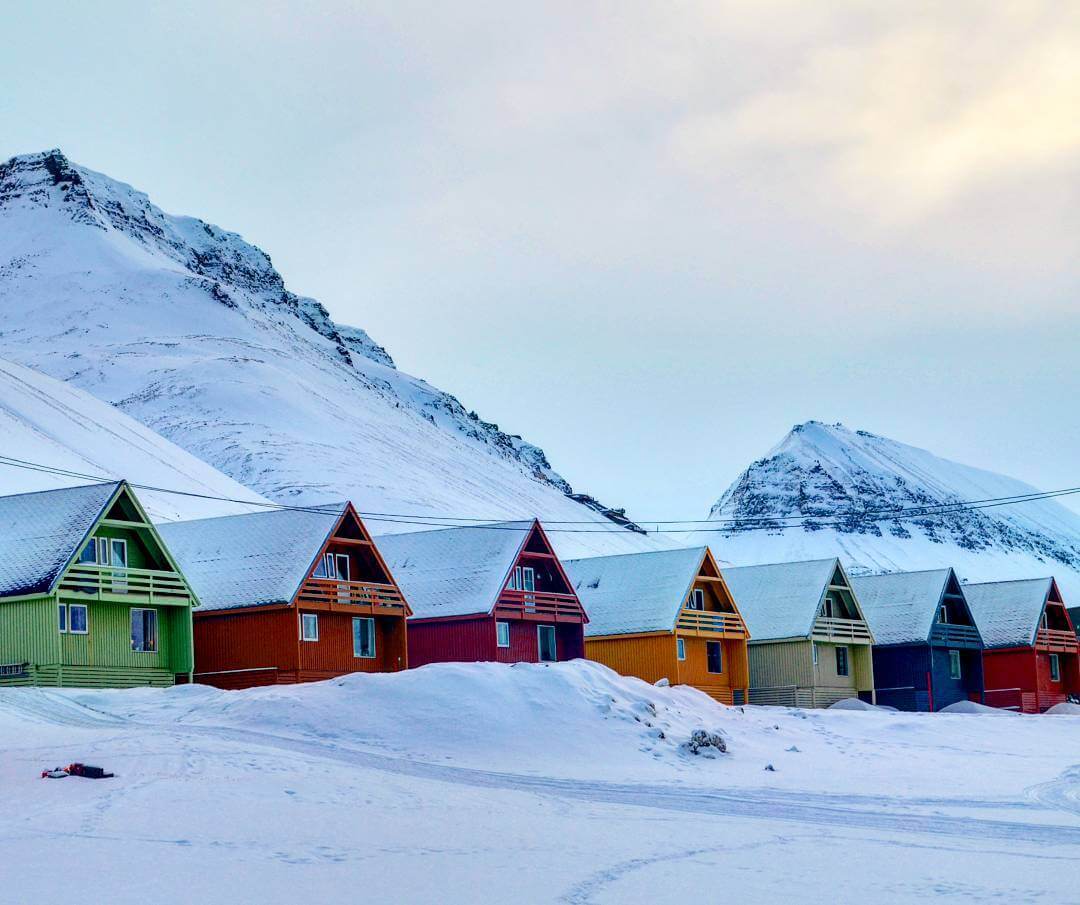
697, 600
1055, 668
61, 618
528, 577
72, 631
814, 652
303, 621
499, 626
540, 644
680, 648
141, 609
374, 650
954, 658
943, 615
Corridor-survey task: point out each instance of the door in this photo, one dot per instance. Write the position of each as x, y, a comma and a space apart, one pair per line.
546, 640
341, 570
118, 559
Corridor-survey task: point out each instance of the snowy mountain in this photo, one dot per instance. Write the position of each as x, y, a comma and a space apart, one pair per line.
829, 474
56, 424
191, 331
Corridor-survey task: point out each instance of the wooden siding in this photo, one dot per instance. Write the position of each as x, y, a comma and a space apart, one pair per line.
28, 631
916, 677
231, 644
1019, 679
332, 654
474, 640
649, 657
783, 672
694, 669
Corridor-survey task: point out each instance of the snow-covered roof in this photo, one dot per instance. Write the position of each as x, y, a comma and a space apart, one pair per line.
780, 600
634, 592
41, 532
249, 560
1007, 613
901, 607
453, 571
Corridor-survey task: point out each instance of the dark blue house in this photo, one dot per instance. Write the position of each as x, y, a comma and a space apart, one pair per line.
927, 651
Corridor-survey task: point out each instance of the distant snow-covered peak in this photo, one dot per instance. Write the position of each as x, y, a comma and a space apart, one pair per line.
842, 485
190, 330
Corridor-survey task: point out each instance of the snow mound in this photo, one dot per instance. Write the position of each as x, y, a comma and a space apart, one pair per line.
1066, 708
973, 707
854, 704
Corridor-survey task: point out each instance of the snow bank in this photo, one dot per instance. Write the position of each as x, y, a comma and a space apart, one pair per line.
974, 708
855, 704
1067, 708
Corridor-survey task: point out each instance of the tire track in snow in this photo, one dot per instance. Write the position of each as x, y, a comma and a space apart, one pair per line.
1061, 794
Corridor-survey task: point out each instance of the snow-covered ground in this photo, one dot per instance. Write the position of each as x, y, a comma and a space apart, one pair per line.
489, 783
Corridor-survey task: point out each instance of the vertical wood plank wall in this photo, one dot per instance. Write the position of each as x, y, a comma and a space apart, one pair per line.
649, 657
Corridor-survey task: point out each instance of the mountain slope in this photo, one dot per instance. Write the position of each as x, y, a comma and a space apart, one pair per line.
191, 331
823, 471
58, 425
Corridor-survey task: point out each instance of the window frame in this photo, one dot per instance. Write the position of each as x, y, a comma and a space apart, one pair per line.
956, 670
719, 648
814, 652
303, 626
943, 614
680, 649
846, 674
528, 576
502, 626
540, 631
370, 620
131, 618
61, 618
696, 601
1055, 667
86, 619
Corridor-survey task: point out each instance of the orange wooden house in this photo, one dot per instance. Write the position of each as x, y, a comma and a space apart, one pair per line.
290, 596
666, 614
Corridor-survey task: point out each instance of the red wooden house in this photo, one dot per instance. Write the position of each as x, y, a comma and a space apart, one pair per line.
1031, 658
290, 596
490, 592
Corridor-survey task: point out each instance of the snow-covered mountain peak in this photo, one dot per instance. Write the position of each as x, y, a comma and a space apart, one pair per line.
190, 329
858, 495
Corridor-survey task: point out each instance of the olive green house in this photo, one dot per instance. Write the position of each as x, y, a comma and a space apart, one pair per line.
89, 595
810, 645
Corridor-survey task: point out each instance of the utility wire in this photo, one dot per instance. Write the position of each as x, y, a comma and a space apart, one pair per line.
725, 525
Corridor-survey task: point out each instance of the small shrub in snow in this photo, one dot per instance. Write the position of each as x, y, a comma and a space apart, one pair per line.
769, 768
705, 743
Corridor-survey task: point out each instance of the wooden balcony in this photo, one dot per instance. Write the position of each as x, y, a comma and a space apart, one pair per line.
704, 622
850, 631
357, 597
539, 606
1057, 641
91, 582
946, 634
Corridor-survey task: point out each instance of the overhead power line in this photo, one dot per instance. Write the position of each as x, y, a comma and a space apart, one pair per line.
721, 525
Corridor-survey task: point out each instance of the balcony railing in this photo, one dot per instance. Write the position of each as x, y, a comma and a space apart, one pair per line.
946, 633
853, 630
136, 585
710, 623
539, 603
1057, 641
375, 598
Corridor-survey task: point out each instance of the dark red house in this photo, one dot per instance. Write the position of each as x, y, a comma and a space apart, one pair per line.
1030, 661
290, 596
490, 592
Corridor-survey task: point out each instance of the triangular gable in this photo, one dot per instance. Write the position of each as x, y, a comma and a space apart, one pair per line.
841, 581
536, 542
349, 530
1053, 596
708, 570
124, 510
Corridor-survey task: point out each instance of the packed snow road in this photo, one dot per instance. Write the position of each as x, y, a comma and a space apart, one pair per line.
576, 788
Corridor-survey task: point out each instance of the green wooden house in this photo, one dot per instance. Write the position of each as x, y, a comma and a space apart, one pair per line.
89, 595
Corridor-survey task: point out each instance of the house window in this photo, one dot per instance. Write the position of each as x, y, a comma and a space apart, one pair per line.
309, 627
545, 635
697, 600
77, 621
954, 663
363, 637
528, 579
1043, 623
61, 616
88, 557
714, 656
1055, 667
680, 647
144, 635
943, 614
502, 634
842, 661
813, 652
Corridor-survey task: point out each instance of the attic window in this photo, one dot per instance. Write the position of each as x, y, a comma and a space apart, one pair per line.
697, 600
943, 614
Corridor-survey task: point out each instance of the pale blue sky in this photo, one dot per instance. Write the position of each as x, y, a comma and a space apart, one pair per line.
648, 237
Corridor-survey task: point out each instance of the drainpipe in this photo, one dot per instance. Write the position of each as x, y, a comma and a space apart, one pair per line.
930, 681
